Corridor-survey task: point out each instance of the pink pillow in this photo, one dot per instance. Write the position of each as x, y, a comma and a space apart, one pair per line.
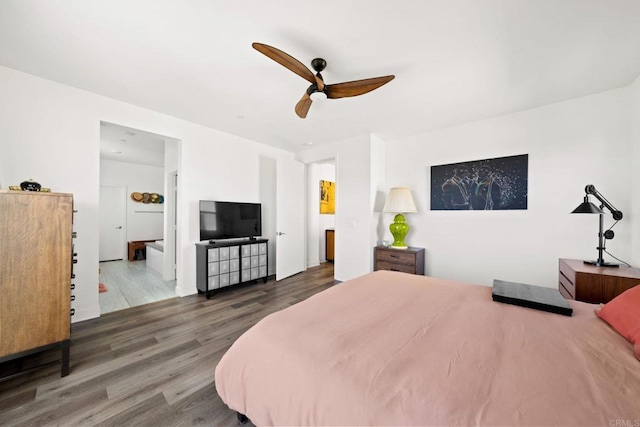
623, 314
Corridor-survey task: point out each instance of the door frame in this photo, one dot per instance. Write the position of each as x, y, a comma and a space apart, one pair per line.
170, 261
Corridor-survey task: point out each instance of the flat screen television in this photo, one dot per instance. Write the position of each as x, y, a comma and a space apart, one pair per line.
229, 220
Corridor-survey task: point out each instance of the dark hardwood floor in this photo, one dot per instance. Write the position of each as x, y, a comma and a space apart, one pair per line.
151, 365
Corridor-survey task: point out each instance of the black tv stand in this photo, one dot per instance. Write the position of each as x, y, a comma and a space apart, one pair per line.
230, 262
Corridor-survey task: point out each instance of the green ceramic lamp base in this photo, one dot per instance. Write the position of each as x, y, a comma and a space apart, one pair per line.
399, 229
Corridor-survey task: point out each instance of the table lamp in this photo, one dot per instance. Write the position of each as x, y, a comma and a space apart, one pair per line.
587, 207
399, 201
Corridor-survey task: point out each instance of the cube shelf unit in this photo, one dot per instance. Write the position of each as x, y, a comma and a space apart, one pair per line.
228, 263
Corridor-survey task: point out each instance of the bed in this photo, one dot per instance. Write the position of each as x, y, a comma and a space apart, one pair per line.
392, 348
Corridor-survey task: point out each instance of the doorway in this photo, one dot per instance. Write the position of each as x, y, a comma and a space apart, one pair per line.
321, 227
135, 191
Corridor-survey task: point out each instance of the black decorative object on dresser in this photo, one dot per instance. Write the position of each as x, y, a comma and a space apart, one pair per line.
227, 263
410, 260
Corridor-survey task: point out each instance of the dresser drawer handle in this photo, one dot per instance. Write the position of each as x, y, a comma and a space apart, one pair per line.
394, 256
394, 269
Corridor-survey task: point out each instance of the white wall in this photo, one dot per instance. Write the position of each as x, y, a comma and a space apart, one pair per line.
379, 190
143, 221
51, 133
570, 144
634, 216
317, 223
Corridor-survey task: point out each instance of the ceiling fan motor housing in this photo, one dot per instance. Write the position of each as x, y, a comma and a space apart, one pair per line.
318, 64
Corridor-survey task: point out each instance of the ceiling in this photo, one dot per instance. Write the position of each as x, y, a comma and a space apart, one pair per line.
128, 145
454, 60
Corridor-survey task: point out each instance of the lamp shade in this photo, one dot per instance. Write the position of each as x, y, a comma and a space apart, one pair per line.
399, 200
587, 207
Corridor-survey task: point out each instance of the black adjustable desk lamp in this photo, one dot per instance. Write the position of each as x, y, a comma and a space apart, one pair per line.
588, 207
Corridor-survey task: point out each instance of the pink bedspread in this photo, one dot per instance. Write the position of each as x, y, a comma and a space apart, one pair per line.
397, 349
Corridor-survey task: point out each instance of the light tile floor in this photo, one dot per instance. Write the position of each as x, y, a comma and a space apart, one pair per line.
129, 284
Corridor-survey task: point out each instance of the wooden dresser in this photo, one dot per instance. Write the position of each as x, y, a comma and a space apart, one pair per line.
588, 283
35, 273
410, 260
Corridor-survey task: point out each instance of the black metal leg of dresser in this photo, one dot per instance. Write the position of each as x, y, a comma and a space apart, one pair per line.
64, 349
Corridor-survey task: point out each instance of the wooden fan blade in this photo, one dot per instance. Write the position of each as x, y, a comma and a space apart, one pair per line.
302, 107
285, 60
356, 87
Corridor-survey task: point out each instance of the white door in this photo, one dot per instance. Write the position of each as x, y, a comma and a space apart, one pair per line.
112, 215
290, 246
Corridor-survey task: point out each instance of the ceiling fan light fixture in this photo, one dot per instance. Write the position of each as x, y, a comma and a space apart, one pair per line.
318, 96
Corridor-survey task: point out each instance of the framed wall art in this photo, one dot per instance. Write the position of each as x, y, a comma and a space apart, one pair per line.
327, 197
490, 184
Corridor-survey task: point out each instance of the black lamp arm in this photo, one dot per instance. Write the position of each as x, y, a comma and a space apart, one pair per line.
590, 189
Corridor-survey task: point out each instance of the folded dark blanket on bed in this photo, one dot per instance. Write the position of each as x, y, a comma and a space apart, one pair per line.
536, 297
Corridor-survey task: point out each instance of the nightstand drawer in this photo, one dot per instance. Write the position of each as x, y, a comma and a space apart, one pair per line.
568, 273
396, 256
383, 265
566, 287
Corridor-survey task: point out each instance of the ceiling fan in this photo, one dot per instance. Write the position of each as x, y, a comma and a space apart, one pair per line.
339, 90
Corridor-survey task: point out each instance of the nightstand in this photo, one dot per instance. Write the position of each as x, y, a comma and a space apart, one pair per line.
410, 260
588, 283
329, 238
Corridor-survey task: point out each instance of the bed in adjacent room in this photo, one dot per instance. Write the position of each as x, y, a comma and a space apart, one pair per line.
392, 348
